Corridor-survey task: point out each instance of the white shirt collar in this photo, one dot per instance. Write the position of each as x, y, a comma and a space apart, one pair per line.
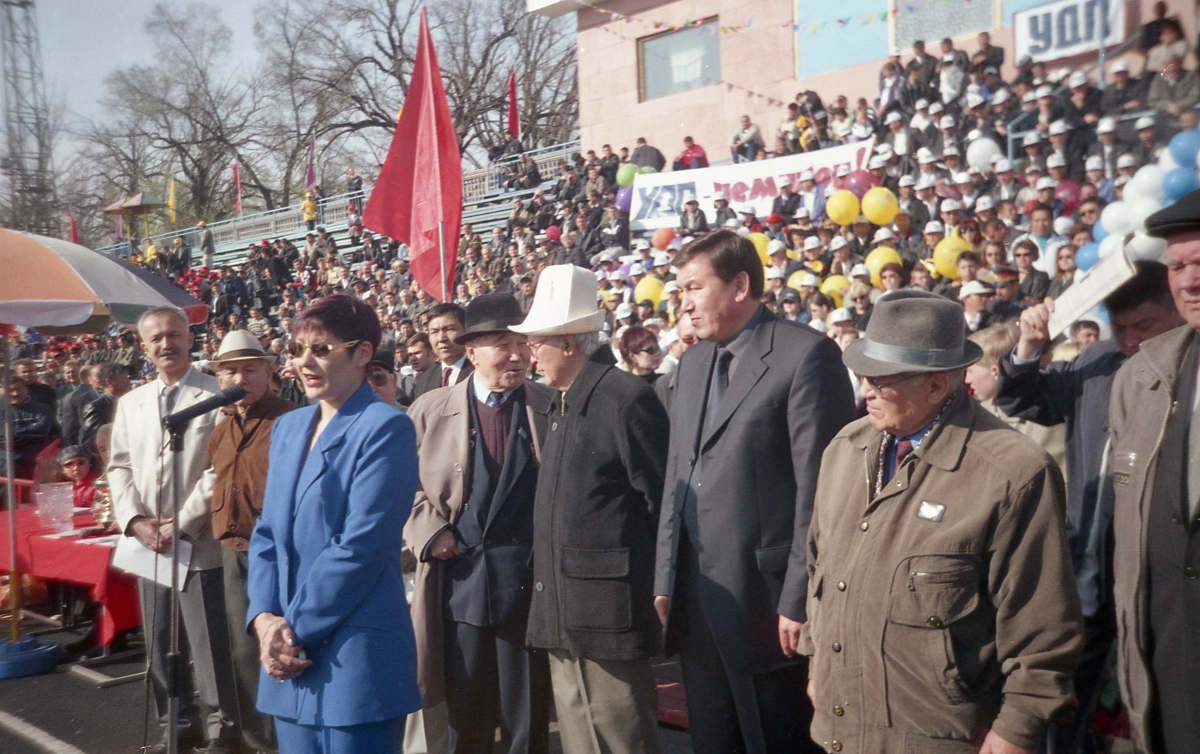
163, 386
482, 391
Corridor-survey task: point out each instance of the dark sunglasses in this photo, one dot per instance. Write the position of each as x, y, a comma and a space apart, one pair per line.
319, 348
650, 350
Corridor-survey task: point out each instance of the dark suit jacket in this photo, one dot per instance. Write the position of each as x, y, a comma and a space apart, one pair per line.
95, 415
431, 379
72, 412
788, 396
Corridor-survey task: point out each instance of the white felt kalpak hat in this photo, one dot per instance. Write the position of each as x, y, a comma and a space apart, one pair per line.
565, 303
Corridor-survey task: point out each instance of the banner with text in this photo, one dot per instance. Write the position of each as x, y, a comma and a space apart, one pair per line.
1066, 28
658, 198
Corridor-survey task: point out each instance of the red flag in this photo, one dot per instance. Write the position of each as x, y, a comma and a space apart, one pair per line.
419, 188
74, 227
514, 120
237, 185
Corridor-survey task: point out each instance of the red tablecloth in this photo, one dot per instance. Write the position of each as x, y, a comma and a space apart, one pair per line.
66, 559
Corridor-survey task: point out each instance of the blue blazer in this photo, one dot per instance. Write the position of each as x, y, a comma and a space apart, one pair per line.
326, 556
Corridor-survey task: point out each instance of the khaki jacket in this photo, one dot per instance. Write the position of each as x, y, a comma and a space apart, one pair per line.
946, 606
1142, 401
443, 422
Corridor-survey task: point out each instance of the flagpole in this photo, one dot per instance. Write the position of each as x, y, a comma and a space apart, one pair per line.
442, 253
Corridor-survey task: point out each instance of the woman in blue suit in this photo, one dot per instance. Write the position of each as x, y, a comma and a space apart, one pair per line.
326, 592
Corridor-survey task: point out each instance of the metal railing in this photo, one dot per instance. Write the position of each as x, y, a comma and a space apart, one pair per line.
481, 186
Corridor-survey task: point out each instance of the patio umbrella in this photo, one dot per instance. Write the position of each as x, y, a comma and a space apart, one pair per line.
38, 288
125, 290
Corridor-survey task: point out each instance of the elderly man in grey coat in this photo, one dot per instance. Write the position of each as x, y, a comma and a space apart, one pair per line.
595, 520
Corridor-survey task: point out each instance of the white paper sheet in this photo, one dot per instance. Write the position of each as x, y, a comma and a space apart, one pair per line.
110, 540
1105, 277
133, 557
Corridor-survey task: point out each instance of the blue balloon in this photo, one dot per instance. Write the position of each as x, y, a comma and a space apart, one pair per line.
1184, 147
1087, 256
1180, 181
1099, 232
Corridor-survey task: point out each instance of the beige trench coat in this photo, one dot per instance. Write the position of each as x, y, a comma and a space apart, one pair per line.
444, 448
946, 606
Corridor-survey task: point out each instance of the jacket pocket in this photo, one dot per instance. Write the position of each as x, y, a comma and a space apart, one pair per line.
930, 596
772, 559
596, 593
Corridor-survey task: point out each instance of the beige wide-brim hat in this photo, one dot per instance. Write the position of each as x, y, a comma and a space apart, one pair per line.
565, 303
240, 345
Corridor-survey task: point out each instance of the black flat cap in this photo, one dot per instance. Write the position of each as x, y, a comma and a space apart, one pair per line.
492, 312
1183, 215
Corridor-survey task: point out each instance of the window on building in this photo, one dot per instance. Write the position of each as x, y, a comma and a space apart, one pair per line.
680, 60
933, 21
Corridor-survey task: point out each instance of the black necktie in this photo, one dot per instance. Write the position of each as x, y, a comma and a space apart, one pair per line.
720, 384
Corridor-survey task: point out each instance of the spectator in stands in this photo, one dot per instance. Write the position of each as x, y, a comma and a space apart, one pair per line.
308, 211
692, 156
1034, 284
512, 145
32, 427
1174, 90
1171, 46
609, 163
1122, 93
890, 84
1145, 150
993, 56
693, 221
1151, 32
746, 141
788, 201
530, 176
614, 230
647, 156
1064, 273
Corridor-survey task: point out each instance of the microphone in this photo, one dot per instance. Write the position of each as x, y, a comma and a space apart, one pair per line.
178, 420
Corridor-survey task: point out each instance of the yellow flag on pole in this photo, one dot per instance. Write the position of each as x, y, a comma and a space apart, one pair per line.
171, 201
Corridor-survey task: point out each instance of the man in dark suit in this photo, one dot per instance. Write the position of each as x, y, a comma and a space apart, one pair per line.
452, 367
114, 382
73, 405
757, 402
472, 532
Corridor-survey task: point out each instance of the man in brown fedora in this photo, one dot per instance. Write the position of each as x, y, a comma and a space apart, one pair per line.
942, 609
239, 447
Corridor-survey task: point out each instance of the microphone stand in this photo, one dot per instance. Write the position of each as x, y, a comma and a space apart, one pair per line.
174, 669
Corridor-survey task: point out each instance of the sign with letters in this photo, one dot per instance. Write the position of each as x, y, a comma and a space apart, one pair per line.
1066, 28
658, 198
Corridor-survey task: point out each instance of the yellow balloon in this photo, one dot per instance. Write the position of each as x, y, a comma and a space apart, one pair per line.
842, 207
877, 259
945, 256
835, 286
794, 279
648, 288
879, 205
760, 241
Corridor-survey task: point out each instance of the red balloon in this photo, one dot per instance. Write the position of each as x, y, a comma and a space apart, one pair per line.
554, 233
662, 238
1068, 193
859, 182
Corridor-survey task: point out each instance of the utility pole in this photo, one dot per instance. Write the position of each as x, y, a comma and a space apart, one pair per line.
26, 162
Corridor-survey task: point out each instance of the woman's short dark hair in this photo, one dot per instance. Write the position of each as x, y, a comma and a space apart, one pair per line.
896, 268
822, 299
1148, 284
345, 317
729, 254
634, 339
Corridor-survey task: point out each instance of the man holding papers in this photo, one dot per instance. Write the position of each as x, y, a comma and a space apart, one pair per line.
140, 473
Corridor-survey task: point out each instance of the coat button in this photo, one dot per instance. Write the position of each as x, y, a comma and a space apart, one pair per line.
539, 587
935, 621
837, 710
841, 586
836, 746
236, 490
232, 526
837, 646
1190, 572
553, 426
864, 526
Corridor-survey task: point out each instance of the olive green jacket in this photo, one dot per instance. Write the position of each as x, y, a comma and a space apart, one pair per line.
945, 606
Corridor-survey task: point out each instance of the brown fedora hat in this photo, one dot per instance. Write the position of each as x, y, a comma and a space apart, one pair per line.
912, 331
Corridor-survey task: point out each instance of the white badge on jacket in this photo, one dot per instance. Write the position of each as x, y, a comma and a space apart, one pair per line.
931, 511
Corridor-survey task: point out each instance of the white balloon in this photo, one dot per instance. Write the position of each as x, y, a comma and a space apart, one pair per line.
1147, 184
1142, 246
1166, 161
980, 154
1116, 219
1110, 244
1139, 208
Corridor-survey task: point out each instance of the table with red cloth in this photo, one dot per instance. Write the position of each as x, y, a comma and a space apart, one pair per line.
67, 559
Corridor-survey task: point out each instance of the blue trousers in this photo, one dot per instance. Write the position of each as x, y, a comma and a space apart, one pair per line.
384, 737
